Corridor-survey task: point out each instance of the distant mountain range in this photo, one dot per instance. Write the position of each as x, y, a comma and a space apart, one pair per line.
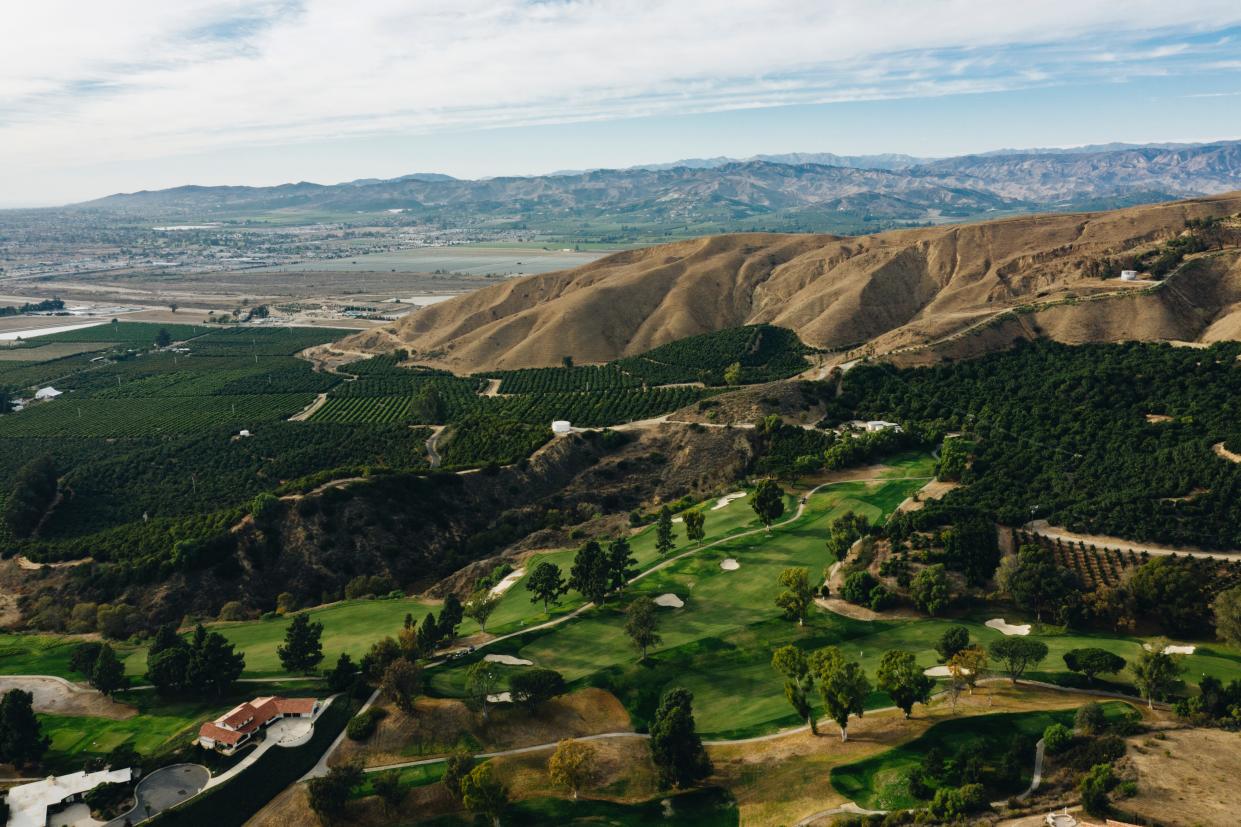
795, 192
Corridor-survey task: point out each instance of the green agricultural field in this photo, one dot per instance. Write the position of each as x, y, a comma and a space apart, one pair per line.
881, 781
150, 416
137, 334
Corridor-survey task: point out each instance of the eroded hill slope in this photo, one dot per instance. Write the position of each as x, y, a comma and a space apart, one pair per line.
909, 288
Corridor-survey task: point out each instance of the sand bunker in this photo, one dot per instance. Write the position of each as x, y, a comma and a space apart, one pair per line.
508, 660
998, 624
730, 564
723, 501
508, 582
941, 672
1174, 649
60, 697
502, 698
670, 600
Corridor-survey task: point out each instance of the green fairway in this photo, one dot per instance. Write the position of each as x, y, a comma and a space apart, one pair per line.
410, 777
349, 626
881, 782
719, 644
37, 654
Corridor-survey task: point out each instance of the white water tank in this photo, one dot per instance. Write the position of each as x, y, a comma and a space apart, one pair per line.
561, 426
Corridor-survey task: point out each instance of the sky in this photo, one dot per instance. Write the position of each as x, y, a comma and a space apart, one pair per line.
122, 95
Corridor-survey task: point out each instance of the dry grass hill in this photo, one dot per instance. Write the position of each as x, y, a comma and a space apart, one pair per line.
918, 295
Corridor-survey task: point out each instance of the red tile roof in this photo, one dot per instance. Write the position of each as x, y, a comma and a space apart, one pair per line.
219, 734
249, 716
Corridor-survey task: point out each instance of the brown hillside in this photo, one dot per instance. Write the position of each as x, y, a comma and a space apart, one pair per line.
931, 289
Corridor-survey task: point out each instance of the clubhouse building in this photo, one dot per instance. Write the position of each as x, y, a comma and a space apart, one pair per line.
242, 723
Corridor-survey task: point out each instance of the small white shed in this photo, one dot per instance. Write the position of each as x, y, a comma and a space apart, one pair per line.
1128, 275
46, 393
561, 426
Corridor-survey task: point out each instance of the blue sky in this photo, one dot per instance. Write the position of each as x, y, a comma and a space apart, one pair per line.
132, 94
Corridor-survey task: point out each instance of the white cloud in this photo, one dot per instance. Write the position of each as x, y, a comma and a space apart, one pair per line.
118, 80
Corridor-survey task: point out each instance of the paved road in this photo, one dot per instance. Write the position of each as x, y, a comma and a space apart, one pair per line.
164, 788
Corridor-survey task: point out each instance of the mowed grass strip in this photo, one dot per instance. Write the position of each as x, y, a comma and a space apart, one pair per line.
881, 782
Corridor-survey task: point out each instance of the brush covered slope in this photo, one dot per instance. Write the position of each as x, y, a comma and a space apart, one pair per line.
905, 289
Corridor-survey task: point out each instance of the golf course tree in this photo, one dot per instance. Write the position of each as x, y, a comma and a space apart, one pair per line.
341, 676
450, 618
1092, 661
1156, 673
302, 650
22, 742
387, 785
842, 685
457, 766
1226, 609
844, 531
930, 589
768, 502
329, 794
622, 564
968, 665
206, 664
1094, 787
546, 584
641, 622
531, 688
573, 765
664, 539
676, 749
401, 682
84, 656
970, 547
694, 521
108, 673
1036, 583
794, 666
901, 678
797, 596
1174, 592
590, 573
483, 794
480, 684
953, 640
480, 607
1017, 654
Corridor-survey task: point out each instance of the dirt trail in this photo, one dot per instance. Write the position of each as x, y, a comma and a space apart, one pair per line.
1223, 452
309, 411
1043, 529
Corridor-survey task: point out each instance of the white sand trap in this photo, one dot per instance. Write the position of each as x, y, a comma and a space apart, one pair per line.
508, 582
723, 501
678, 519
729, 564
1008, 628
508, 660
670, 600
941, 672
1174, 649
502, 698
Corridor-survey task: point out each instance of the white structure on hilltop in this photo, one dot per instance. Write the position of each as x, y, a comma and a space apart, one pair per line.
29, 803
47, 393
880, 425
1128, 275
561, 426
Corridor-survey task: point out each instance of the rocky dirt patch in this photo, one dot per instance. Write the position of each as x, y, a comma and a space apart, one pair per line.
60, 697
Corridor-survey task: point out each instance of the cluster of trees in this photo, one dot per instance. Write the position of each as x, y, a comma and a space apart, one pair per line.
45, 306
206, 664
22, 742
596, 571
1061, 434
842, 684
98, 663
34, 490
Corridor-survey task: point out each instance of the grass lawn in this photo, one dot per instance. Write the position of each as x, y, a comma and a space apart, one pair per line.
161, 724
410, 777
881, 781
36, 654
349, 626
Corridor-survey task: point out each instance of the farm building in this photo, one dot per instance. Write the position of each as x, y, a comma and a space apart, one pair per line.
47, 393
1128, 275
239, 725
880, 425
30, 803
561, 426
